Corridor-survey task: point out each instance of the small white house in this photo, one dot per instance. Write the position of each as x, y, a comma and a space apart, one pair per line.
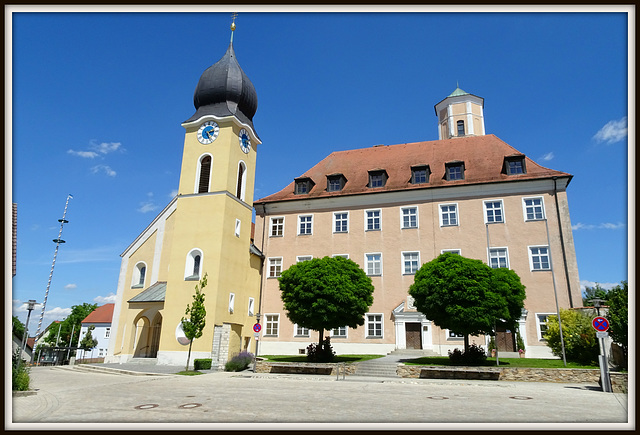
101, 319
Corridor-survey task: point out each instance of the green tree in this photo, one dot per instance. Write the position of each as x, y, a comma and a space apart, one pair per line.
580, 342
88, 342
326, 293
466, 296
71, 323
591, 293
194, 323
18, 327
618, 315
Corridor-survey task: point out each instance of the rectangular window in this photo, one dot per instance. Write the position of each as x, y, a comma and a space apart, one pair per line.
533, 209
277, 227
107, 332
335, 182
373, 220
271, 325
341, 222
410, 262
493, 212
238, 222
453, 251
377, 178
515, 167
341, 255
275, 267
250, 311
541, 324
340, 332
448, 215
409, 217
305, 225
303, 186
420, 175
374, 264
453, 335
232, 302
454, 171
301, 258
374, 325
498, 258
539, 258
301, 332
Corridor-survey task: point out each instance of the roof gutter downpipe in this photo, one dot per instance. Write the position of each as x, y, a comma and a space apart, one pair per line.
564, 254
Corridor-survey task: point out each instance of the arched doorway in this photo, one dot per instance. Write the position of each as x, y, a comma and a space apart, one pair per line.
155, 336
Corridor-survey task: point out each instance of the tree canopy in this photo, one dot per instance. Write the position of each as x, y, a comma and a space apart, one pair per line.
88, 342
618, 315
466, 296
326, 293
71, 323
194, 322
18, 327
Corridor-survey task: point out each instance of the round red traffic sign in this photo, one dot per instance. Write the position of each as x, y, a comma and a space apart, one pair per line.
257, 327
600, 324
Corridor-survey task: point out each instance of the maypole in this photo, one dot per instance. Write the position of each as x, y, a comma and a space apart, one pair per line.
57, 241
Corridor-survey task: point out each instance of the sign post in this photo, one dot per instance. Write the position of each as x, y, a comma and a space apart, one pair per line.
256, 329
601, 325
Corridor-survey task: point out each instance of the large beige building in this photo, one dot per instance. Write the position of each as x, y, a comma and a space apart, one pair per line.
392, 208
205, 229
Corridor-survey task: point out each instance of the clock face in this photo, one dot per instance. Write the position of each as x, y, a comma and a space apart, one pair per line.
245, 142
208, 132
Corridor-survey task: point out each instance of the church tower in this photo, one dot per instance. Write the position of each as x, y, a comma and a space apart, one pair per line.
205, 230
460, 114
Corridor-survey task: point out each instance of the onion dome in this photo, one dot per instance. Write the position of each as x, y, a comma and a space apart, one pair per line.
224, 89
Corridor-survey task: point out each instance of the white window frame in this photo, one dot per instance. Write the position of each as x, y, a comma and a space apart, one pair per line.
310, 223
273, 225
498, 249
136, 275
301, 258
373, 262
341, 255
524, 209
335, 231
453, 336
232, 302
454, 251
107, 332
299, 331
441, 214
190, 263
539, 323
334, 335
251, 307
272, 262
373, 218
368, 322
531, 255
238, 224
487, 210
270, 324
243, 186
403, 257
196, 187
402, 216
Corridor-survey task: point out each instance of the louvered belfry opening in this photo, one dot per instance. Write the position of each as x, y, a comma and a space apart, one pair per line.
240, 174
205, 173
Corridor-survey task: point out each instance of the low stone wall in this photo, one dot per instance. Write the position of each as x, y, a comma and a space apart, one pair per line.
526, 374
619, 382
303, 368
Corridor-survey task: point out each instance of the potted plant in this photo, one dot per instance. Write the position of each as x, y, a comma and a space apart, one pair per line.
492, 347
520, 344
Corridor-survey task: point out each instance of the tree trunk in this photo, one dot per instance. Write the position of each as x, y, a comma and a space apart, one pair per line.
321, 335
188, 356
466, 343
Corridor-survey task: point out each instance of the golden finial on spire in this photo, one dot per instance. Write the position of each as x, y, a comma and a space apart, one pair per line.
234, 15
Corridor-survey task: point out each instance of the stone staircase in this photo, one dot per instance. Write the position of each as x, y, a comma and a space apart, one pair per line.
387, 366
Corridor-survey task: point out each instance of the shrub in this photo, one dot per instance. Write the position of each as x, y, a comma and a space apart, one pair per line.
202, 364
492, 344
317, 353
580, 342
19, 376
519, 342
239, 362
473, 357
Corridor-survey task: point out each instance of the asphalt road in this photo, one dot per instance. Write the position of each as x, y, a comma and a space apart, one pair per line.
71, 398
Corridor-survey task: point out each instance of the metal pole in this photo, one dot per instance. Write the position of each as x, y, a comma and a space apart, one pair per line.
71, 340
30, 306
555, 292
58, 241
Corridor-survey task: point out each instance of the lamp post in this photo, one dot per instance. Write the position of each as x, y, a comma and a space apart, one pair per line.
30, 306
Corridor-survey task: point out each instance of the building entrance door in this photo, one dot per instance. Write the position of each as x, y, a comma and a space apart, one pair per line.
413, 335
505, 340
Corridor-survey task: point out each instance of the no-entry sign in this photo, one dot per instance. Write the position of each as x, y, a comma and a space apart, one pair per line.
600, 324
257, 327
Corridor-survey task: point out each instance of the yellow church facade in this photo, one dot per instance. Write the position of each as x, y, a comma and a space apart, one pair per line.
204, 230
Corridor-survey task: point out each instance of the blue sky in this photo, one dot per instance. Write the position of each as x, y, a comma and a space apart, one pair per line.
97, 102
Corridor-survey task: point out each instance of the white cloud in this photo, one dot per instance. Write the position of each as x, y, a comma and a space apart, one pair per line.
103, 168
70, 286
173, 193
108, 299
605, 285
603, 226
148, 205
612, 132
547, 157
83, 154
104, 147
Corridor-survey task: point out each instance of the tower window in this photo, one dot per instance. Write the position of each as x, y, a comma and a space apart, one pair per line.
377, 178
139, 273
303, 186
193, 265
205, 174
241, 177
420, 174
335, 182
460, 128
454, 171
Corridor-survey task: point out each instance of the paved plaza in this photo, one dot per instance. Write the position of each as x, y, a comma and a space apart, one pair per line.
72, 398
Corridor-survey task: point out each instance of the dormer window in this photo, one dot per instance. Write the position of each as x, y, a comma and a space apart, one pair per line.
335, 182
377, 178
304, 186
460, 128
420, 174
454, 171
514, 165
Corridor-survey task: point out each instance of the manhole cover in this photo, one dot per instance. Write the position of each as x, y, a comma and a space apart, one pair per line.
437, 397
521, 397
190, 405
147, 406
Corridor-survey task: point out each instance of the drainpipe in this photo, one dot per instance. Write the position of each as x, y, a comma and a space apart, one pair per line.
564, 254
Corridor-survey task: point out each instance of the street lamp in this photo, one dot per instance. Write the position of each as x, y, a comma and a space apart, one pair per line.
597, 303
30, 306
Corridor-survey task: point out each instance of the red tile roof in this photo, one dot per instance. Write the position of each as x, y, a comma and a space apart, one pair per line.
102, 314
483, 158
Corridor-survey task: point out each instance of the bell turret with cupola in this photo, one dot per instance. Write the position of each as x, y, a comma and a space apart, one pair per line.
460, 114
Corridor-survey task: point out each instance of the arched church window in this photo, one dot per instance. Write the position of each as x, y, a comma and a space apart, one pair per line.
139, 272
205, 174
193, 265
242, 169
